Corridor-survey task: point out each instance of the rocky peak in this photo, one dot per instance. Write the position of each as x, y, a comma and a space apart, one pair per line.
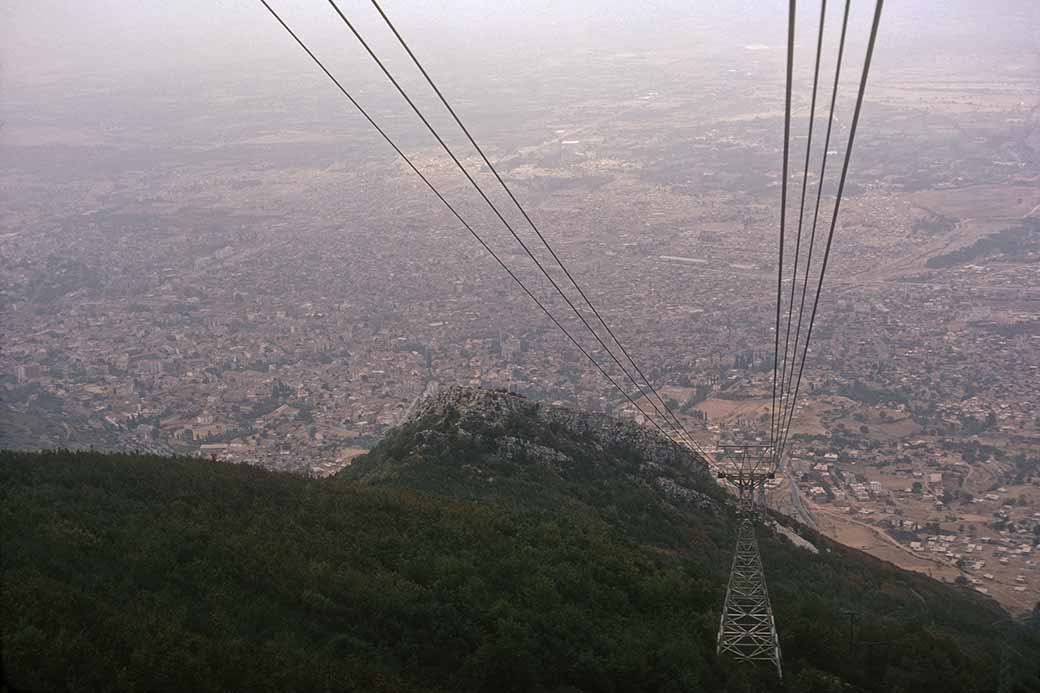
476, 408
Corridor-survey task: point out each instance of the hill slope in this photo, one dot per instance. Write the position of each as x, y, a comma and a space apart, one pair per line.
489, 544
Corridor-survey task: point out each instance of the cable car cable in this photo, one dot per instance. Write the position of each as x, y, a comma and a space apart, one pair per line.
494, 208
837, 201
523, 211
458, 216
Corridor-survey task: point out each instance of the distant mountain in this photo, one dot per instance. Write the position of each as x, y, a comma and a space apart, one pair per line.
490, 543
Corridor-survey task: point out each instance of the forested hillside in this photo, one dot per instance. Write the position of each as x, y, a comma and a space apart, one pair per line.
514, 548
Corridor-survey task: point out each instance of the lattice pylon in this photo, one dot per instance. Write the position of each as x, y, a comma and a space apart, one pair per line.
747, 631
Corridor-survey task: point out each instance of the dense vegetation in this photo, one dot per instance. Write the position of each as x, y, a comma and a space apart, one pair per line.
415, 572
1015, 244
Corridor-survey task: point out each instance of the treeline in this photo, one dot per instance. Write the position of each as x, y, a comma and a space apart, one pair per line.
869, 394
1013, 243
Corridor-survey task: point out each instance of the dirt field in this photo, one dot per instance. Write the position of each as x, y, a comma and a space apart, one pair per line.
725, 411
877, 543
982, 202
345, 455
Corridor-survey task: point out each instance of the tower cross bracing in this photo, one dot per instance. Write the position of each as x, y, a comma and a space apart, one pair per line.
747, 631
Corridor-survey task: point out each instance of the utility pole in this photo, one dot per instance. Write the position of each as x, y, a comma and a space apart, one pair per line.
747, 631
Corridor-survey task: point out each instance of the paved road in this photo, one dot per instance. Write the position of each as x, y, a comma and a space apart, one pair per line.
796, 499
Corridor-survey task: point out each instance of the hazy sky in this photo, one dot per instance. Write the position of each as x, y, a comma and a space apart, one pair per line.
54, 48
64, 37
43, 36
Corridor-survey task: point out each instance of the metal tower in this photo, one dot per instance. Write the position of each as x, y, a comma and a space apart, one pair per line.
747, 631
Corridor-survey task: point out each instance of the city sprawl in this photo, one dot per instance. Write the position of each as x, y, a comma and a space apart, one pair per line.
248, 274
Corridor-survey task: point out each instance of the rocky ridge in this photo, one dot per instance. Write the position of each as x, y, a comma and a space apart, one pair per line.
476, 415
512, 430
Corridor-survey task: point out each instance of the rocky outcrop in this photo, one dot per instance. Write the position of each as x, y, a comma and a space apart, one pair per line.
477, 408
794, 537
515, 430
678, 492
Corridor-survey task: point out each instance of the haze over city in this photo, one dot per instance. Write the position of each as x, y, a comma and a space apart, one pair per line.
205, 250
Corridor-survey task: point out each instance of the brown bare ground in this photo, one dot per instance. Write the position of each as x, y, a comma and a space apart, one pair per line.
875, 542
726, 410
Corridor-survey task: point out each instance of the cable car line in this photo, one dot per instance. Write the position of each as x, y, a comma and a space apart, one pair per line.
501, 217
819, 194
523, 211
837, 201
773, 420
784, 395
458, 216
801, 216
